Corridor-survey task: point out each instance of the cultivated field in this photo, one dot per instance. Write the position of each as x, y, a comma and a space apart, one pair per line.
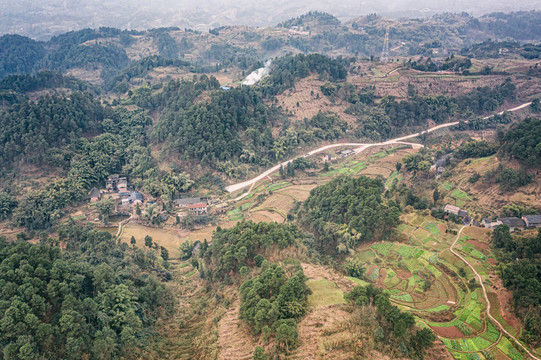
422, 276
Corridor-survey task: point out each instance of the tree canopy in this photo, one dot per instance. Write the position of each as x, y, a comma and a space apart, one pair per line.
348, 211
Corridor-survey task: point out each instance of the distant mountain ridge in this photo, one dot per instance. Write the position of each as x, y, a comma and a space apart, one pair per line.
41, 20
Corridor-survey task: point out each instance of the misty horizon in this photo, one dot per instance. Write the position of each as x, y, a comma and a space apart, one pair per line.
51, 17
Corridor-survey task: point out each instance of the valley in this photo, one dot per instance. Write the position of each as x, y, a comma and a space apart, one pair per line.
273, 193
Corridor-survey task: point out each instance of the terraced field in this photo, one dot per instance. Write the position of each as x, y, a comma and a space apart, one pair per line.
421, 276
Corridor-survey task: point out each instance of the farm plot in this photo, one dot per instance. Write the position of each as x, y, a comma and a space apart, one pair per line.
278, 186
507, 347
474, 344
402, 298
277, 202
459, 194
433, 228
418, 275
383, 248
235, 214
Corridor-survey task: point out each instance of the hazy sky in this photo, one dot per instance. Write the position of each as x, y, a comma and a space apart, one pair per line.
41, 19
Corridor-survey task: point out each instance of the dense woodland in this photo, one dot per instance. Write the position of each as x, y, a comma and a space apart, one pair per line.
520, 271
96, 299
346, 212
523, 142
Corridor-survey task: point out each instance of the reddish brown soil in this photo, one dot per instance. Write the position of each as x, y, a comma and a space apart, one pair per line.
504, 299
478, 244
448, 332
492, 261
403, 274
382, 276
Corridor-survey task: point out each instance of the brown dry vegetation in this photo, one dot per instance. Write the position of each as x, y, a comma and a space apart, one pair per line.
235, 339
310, 104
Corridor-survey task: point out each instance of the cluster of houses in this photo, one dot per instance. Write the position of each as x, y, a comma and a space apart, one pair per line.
514, 223
117, 187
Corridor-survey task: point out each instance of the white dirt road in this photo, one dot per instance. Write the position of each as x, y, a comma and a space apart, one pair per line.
359, 148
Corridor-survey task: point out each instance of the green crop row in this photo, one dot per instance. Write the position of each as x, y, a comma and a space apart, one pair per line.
475, 344
382, 248
465, 329
278, 186
406, 251
462, 356
433, 228
439, 308
492, 334
509, 350
402, 297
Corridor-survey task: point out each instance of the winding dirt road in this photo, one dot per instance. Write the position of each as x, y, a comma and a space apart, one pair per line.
486, 296
360, 148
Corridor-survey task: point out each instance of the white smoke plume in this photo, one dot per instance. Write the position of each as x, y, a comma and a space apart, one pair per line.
258, 74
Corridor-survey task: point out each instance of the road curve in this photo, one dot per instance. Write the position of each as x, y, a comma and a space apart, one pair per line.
360, 147
486, 296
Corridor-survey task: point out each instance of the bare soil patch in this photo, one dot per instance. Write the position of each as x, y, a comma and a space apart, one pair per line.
315, 272
307, 100
403, 274
270, 216
478, 244
504, 299
448, 331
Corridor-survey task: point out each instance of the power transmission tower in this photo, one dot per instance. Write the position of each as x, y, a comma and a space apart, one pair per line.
385, 51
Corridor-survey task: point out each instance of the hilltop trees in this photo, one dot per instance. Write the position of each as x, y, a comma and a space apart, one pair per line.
271, 302
397, 328
523, 142
236, 247
346, 212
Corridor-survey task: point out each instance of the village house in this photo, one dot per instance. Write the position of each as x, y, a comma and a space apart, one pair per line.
451, 209
346, 153
186, 202
196, 248
95, 195
514, 223
198, 209
532, 221
117, 183
439, 165
133, 198
488, 223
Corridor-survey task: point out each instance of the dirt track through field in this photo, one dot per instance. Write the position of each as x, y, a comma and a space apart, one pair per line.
486, 296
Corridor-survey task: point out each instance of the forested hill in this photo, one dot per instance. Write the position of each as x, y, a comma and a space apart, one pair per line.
96, 299
109, 50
